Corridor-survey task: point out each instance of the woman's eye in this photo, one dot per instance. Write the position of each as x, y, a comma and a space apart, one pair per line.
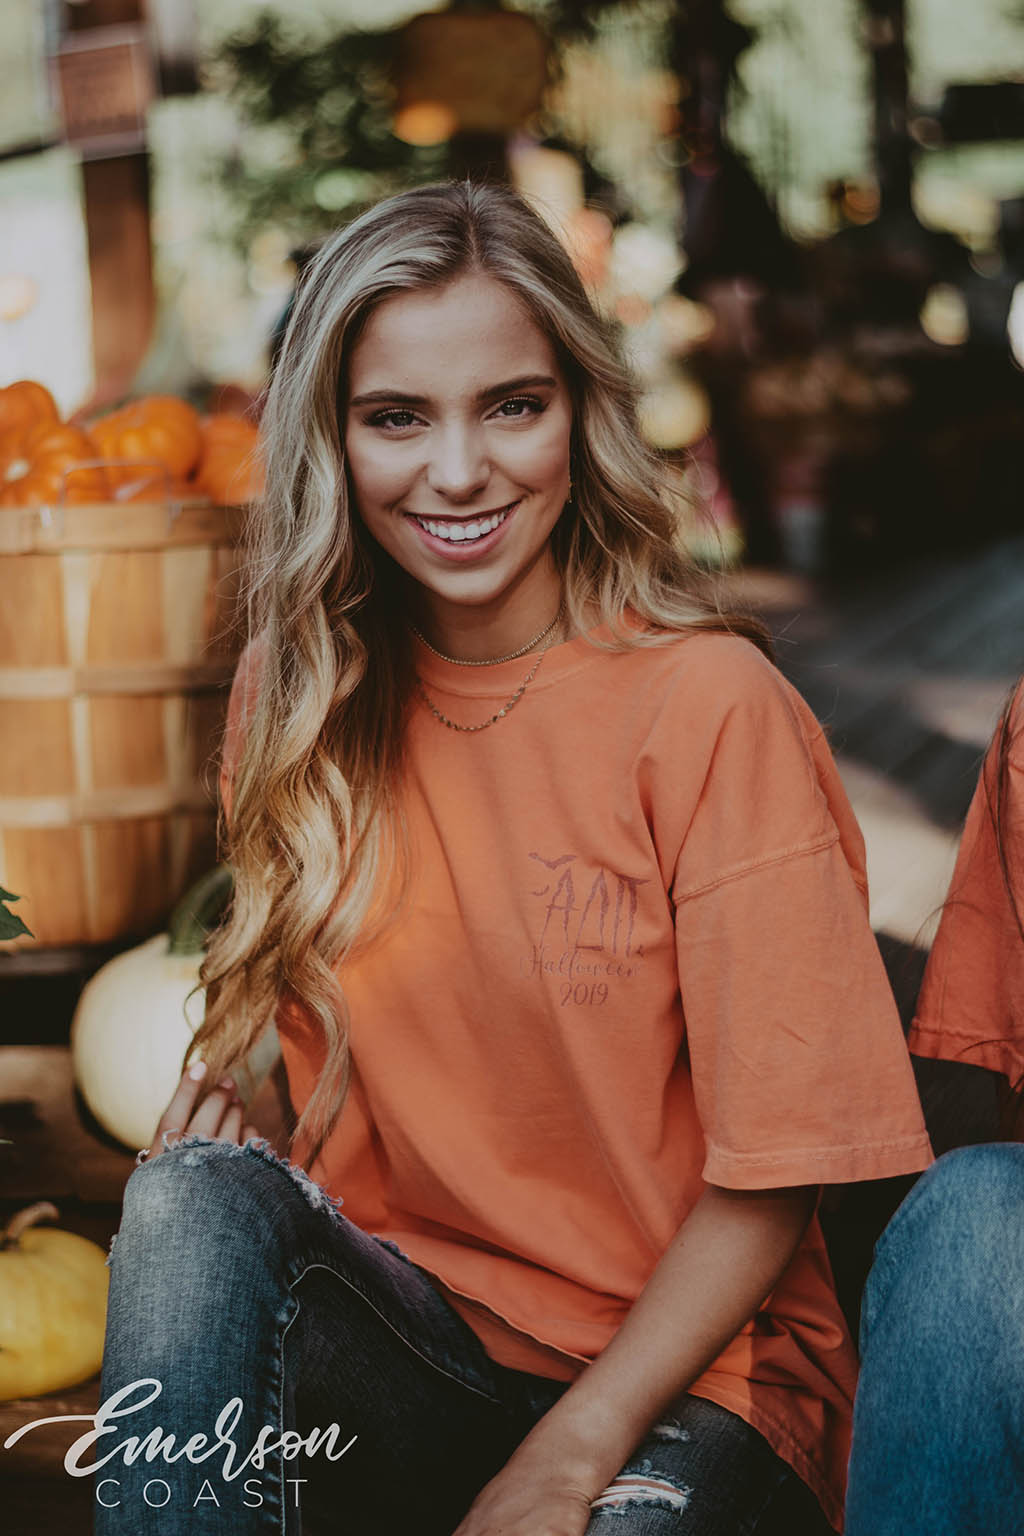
391, 419
515, 408
532, 404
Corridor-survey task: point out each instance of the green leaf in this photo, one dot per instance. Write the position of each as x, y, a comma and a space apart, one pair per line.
11, 924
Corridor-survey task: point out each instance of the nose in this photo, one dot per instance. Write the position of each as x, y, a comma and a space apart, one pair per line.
459, 468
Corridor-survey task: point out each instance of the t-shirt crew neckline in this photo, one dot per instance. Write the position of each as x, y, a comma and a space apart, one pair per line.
503, 677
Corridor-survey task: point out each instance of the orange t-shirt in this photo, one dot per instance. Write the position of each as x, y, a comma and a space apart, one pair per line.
635, 957
971, 1005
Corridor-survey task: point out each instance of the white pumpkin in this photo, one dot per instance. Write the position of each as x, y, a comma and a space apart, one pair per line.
135, 1017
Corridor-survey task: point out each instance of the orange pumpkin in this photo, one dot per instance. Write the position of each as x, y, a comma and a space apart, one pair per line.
50, 465
24, 405
159, 429
230, 469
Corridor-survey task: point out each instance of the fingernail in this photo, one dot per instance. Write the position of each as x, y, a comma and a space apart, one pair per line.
227, 1082
197, 1070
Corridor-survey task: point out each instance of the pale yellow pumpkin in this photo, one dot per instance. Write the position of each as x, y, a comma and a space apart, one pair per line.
136, 1016
53, 1305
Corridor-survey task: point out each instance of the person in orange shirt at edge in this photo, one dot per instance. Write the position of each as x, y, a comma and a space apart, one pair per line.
549, 881
938, 1442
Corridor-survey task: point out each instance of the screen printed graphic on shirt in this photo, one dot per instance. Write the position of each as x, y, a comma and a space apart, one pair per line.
584, 919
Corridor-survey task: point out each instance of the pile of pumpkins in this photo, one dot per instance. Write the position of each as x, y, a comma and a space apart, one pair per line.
152, 449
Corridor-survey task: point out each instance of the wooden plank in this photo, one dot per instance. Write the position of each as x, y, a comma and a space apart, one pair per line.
48, 1504
32, 613
40, 1453
103, 525
57, 1148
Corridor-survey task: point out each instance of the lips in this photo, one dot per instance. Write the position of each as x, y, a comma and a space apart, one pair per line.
463, 537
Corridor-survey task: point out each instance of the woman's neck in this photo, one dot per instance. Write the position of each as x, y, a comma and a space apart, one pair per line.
489, 631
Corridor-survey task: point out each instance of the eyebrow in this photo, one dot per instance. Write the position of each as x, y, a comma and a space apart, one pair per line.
396, 396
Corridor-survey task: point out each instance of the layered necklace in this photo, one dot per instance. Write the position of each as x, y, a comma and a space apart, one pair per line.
492, 661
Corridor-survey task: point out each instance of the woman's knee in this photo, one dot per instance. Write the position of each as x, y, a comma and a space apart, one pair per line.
185, 1181
224, 1173
973, 1193
957, 1235
201, 1192
993, 1171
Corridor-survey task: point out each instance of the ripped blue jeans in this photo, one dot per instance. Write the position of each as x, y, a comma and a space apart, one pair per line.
314, 1380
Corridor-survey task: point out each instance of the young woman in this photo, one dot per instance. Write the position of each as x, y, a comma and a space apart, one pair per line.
550, 882
938, 1444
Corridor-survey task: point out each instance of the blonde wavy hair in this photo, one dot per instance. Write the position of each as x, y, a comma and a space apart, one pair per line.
316, 831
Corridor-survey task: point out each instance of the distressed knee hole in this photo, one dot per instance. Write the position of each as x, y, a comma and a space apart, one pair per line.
669, 1431
194, 1148
631, 1489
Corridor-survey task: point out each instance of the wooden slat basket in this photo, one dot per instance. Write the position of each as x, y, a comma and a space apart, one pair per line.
118, 637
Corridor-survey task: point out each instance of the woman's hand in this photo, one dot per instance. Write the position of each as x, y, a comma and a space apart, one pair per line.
220, 1114
532, 1495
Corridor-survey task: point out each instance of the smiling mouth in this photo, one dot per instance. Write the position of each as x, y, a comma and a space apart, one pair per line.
465, 531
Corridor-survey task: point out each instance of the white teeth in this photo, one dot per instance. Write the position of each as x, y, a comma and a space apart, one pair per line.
457, 533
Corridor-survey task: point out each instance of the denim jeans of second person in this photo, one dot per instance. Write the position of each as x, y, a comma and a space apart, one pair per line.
938, 1430
245, 1308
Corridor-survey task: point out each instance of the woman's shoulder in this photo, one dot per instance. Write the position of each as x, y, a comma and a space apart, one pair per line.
1014, 718
723, 672
248, 672
242, 697
1001, 779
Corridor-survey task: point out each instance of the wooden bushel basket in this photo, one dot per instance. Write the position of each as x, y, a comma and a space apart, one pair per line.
117, 642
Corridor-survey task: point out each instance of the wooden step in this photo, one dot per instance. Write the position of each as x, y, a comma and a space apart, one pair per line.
38, 1494
57, 1149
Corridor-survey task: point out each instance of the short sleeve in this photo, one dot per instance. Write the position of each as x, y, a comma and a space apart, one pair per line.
801, 1074
971, 1005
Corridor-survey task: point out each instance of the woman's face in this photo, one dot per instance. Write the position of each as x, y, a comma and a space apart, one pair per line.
457, 430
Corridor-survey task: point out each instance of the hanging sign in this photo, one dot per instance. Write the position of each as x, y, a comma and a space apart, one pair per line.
487, 68
105, 82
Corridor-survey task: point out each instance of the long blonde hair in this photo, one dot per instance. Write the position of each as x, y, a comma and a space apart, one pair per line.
316, 828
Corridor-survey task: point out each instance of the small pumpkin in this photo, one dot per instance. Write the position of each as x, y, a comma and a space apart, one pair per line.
158, 429
137, 1014
51, 463
24, 405
231, 470
53, 1305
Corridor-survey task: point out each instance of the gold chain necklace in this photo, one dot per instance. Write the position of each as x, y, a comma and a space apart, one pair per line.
453, 725
493, 661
